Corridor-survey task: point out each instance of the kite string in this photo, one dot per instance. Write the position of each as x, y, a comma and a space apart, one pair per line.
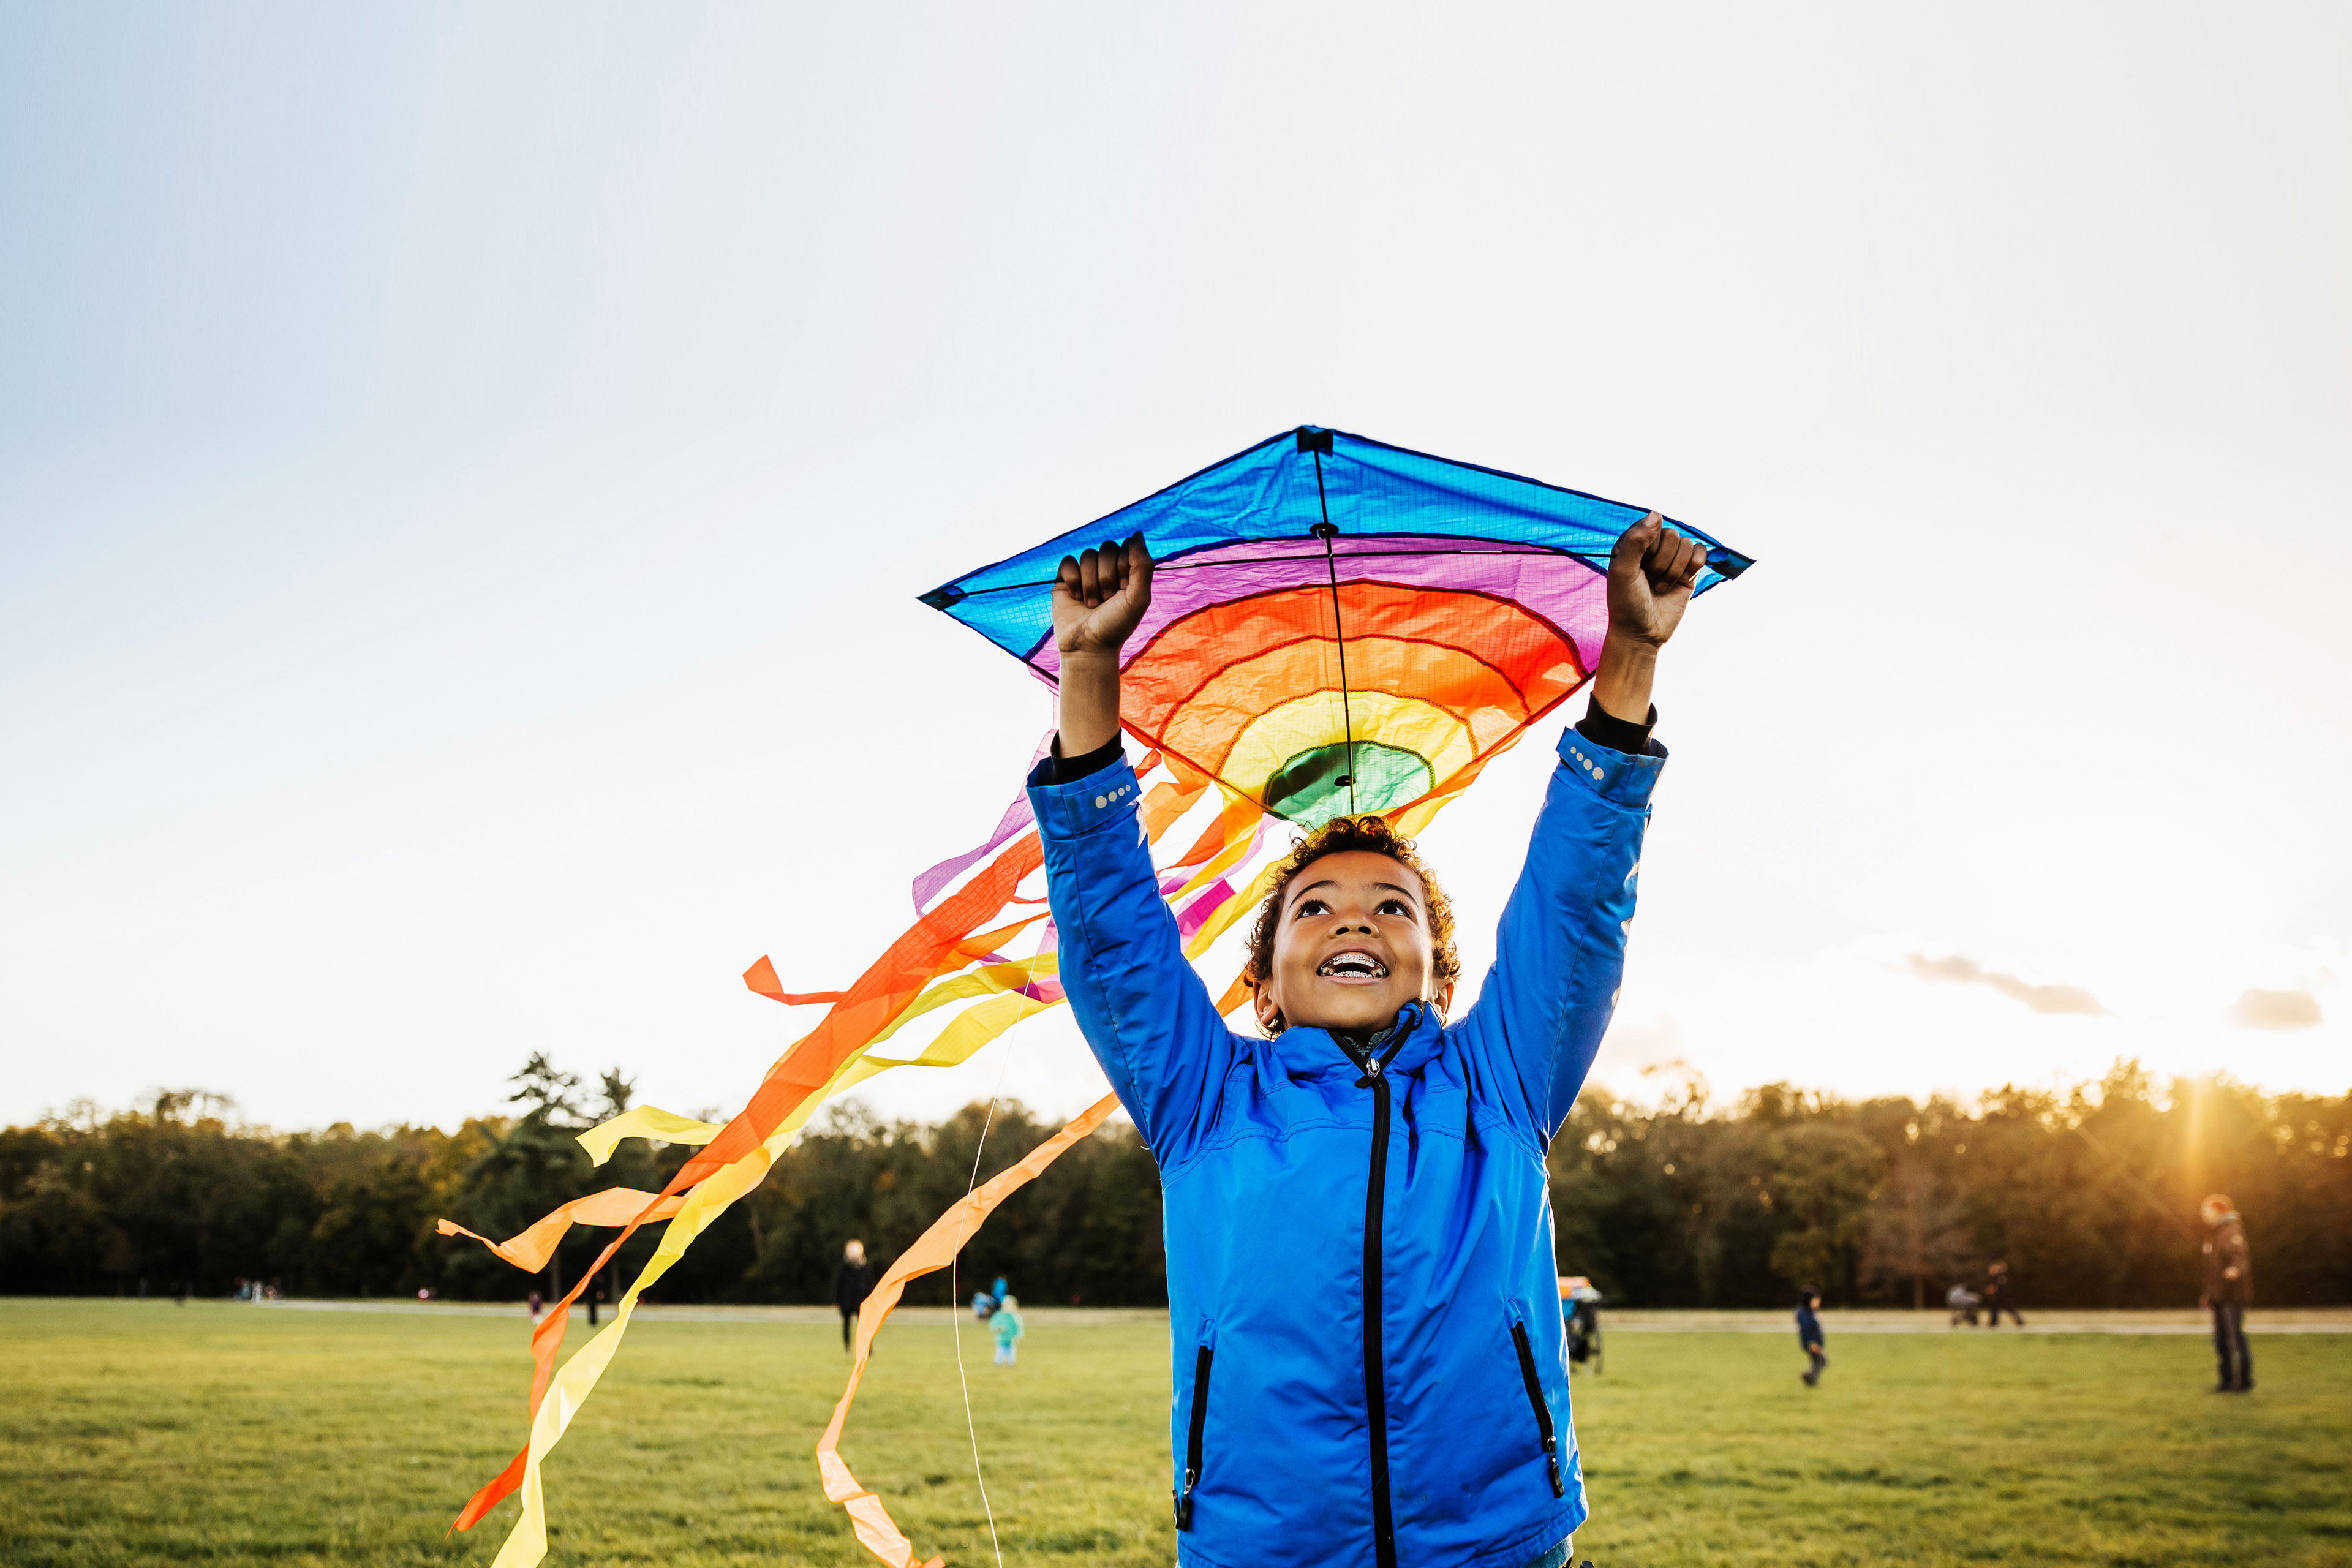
955, 1312
1338, 633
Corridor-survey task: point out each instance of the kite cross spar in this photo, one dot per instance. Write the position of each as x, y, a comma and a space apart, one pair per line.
1338, 634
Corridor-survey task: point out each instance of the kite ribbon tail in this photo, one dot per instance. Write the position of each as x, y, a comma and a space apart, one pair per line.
805, 1068
645, 1122
530, 1250
761, 978
809, 1068
492, 1493
932, 1251
526, 1544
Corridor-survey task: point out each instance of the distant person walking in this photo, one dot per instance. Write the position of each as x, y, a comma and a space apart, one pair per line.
1809, 1334
1996, 1298
2229, 1291
853, 1281
1006, 1327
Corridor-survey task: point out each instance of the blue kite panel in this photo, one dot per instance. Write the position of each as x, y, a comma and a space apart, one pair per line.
1282, 487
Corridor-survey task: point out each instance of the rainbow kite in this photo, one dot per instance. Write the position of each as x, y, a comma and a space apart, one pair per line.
1337, 626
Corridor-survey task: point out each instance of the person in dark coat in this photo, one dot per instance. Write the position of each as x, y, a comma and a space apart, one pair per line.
1808, 1335
2229, 1290
853, 1281
1996, 1298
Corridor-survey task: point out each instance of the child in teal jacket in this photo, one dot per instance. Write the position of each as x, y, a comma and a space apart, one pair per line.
1006, 1326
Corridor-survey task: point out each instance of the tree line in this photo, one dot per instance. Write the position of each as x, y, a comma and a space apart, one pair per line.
2090, 1195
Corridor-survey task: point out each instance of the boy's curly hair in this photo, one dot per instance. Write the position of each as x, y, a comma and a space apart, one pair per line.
1338, 836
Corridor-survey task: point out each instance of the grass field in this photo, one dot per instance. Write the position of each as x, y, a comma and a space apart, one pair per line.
138, 1432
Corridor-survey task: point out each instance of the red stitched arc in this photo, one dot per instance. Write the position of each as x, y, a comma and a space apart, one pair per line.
1205, 677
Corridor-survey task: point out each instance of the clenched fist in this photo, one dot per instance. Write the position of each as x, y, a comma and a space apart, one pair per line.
1099, 596
1652, 572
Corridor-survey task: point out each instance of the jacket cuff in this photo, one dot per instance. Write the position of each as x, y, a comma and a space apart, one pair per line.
1074, 809
1614, 776
1603, 728
1069, 770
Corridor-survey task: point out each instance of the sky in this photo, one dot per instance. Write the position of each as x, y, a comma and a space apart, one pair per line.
465, 475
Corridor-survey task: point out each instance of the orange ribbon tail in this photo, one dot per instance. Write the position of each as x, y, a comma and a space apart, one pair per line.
761, 978
932, 1251
868, 1008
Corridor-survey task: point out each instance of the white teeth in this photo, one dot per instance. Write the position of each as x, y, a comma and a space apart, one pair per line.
1355, 966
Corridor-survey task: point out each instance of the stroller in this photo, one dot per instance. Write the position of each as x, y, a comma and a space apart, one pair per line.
1964, 1303
1581, 1305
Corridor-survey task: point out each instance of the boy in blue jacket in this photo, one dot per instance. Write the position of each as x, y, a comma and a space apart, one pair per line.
1368, 1366
1808, 1335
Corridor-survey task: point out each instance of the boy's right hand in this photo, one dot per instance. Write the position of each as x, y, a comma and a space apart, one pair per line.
1099, 596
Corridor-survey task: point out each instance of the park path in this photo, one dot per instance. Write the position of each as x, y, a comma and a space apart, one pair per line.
1633, 1319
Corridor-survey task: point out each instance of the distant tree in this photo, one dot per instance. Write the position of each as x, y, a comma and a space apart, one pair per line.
533, 1167
1822, 1178
2090, 1195
1914, 1232
618, 1092
547, 1095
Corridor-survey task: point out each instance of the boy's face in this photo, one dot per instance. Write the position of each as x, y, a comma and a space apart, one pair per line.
1352, 946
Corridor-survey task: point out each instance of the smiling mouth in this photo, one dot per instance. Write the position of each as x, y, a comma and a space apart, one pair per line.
1352, 966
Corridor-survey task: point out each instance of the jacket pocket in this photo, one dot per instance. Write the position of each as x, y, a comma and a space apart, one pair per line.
1200, 1421
1535, 1397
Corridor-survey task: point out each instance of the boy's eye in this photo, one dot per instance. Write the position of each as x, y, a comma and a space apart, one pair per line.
1395, 907
1310, 907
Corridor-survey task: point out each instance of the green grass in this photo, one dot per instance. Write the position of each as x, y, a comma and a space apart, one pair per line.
142, 1432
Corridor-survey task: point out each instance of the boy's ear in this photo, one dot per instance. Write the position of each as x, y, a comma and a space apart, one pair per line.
1442, 998
1270, 1011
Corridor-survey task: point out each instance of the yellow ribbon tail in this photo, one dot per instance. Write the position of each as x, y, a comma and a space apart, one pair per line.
645, 1122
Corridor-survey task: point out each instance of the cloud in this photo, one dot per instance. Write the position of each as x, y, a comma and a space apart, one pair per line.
2260, 1009
2039, 998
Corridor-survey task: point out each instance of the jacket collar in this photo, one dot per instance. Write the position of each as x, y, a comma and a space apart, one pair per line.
1411, 1039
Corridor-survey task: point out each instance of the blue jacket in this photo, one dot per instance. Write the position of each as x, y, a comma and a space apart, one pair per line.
1364, 1373
1808, 1327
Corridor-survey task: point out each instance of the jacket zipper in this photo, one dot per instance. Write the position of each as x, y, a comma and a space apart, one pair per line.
1536, 1398
1193, 1444
1376, 1406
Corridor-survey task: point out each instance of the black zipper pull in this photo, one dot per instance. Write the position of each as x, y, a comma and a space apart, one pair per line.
1184, 1501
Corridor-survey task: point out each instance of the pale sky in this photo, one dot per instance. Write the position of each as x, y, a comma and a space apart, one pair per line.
465, 474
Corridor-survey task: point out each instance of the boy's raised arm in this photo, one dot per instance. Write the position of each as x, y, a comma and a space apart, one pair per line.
1099, 597
1145, 1013
1560, 951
